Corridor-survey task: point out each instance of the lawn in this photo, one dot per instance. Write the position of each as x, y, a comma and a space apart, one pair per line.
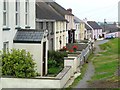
106, 63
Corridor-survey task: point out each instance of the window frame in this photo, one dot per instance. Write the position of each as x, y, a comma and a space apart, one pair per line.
5, 13
26, 12
17, 13
5, 46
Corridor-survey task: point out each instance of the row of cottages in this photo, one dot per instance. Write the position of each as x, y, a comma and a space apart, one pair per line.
110, 30
93, 30
39, 26
36, 27
18, 30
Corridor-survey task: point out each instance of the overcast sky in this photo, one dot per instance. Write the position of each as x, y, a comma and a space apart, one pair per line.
97, 10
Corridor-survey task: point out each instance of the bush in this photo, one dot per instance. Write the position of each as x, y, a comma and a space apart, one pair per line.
18, 63
56, 57
55, 60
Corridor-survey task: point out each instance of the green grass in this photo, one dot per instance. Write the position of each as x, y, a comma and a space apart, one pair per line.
54, 71
107, 63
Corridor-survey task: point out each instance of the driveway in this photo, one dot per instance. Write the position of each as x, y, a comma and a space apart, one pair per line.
90, 69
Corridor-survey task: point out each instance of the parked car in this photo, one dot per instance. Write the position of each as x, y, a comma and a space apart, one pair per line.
110, 36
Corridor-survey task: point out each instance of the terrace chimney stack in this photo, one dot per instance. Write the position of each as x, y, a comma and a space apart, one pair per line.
69, 10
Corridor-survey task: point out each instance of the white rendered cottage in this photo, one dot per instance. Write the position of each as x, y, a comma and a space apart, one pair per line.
15, 14
35, 42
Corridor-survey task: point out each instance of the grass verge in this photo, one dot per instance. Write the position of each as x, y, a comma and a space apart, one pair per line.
106, 64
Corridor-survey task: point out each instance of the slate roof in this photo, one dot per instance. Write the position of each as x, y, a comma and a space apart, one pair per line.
110, 28
59, 8
77, 20
28, 36
87, 27
44, 11
94, 25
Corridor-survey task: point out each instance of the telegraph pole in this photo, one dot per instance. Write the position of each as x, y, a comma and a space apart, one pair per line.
104, 24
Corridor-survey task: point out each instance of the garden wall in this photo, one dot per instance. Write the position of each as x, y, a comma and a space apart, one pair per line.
45, 82
76, 60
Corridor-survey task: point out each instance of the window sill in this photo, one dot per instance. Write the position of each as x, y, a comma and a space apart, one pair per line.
52, 33
27, 27
18, 28
57, 32
6, 29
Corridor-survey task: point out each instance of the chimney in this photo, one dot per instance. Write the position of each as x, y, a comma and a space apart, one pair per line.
69, 10
85, 20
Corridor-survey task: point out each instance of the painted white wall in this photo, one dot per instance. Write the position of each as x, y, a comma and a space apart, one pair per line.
8, 35
1, 23
70, 25
30, 83
96, 33
77, 32
82, 30
60, 26
45, 82
119, 13
35, 50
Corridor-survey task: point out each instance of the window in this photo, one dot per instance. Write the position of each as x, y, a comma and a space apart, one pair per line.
52, 44
17, 14
52, 27
5, 9
37, 25
5, 46
4, 5
57, 43
16, 18
4, 18
41, 25
63, 40
26, 19
26, 12
47, 25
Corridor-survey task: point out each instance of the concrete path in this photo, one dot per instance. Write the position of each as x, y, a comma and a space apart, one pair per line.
97, 43
90, 70
89, 73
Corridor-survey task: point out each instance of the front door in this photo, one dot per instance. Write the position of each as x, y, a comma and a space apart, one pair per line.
44, 58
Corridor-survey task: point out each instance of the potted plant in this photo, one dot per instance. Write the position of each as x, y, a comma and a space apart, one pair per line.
75, 48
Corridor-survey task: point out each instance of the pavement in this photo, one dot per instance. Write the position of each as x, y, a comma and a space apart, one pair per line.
89, 73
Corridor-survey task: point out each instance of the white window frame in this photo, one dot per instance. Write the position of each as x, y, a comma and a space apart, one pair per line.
17, 12
5, 13
5, 46
26, 12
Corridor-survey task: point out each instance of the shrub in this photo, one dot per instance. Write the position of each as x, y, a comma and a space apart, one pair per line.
56, 60
18, 63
